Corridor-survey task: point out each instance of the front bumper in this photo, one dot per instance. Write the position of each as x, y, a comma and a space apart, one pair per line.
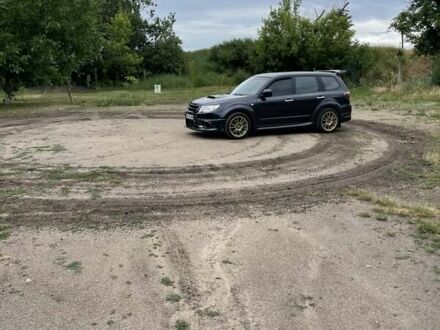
203, 124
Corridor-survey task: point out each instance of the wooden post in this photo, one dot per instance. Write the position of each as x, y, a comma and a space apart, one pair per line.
400, 70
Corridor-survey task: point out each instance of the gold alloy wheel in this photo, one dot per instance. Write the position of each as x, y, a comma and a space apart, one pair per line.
238, 126
329, 121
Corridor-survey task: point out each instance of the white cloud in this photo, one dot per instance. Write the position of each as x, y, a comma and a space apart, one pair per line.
377, 32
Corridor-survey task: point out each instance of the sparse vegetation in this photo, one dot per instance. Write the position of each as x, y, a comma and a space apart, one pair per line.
4, 232
75, 266
209, 312
227, 262
94, 193
182, 325
391, 207
173, 298
166, 281
381, 217
9, 193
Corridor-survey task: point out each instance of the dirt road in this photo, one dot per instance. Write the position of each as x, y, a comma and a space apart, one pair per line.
128, 220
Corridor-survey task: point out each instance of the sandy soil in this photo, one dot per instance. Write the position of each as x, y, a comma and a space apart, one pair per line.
254, 234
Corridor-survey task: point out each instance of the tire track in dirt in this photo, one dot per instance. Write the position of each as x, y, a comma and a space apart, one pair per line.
165, 190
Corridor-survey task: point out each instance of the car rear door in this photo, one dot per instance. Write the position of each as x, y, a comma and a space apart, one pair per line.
308, 95
276, 110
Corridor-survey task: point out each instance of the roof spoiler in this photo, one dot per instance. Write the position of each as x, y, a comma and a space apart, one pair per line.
337, 72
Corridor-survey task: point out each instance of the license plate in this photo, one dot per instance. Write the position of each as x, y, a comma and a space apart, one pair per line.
189, 116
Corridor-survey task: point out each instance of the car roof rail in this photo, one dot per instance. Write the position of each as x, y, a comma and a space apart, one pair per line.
337, 72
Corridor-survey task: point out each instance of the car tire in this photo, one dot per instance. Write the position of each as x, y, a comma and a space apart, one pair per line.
328, 121
238, 126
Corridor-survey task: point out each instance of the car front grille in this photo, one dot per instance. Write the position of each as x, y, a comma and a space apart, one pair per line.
193, 107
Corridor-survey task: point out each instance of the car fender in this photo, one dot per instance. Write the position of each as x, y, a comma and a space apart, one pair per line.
324, 105
245, 108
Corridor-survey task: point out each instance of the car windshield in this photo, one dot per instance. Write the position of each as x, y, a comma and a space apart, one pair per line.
251, 86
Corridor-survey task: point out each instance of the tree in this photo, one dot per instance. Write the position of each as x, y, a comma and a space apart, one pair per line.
420, 23
162, 51
234, 55
117, 56
289, 41
44, 41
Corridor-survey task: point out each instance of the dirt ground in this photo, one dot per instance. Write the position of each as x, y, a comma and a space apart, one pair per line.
127, 220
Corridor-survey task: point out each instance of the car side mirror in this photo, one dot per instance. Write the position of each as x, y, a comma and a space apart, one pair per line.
266, 93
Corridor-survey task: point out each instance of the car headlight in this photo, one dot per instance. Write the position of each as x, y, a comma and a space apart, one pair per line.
208, 108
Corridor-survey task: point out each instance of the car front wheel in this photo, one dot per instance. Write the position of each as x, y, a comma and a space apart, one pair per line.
328, 121
238, 126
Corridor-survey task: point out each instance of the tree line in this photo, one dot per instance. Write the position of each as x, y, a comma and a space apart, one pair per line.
114, 42
288, 41
55, 42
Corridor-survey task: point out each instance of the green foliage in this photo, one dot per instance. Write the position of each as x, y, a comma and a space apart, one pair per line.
163, 52
289, 41
420, 23
436, 70
118, 58
43, 42
234, 55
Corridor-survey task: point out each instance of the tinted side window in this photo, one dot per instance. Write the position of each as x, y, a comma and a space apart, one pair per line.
282, 87
330, 83
306, 85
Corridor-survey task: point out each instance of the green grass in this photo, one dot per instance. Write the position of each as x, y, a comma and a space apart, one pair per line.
428, 236
166, 281
417, 99
9, 193
70, 174
381, 217
173, 298
75, 267
391, 207
4, 235
35, 101
182, 325
94, 193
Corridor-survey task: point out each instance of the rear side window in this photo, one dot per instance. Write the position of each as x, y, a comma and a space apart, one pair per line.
306, 85
330, 83
282, 87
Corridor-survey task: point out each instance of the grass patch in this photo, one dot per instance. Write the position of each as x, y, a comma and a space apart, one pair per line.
94, 193
391, 207
166, 281
96, 176
381, 217
209, 312
428, 236
182, 325
75, 267
57, 148
9, 193
174, 298
65, 191
4, 235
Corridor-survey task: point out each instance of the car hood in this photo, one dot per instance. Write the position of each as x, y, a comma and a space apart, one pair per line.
220, 99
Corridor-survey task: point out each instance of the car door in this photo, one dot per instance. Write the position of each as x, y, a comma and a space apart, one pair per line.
308, 96
277, 109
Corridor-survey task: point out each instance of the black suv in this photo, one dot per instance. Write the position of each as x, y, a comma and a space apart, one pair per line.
274, 100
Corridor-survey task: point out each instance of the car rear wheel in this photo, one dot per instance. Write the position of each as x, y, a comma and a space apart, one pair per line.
238, 126
328, 121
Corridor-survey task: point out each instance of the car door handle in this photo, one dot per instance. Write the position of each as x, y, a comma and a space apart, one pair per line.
321, 97
289, 100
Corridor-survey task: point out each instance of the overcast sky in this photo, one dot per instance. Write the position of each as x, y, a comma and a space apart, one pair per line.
204, 23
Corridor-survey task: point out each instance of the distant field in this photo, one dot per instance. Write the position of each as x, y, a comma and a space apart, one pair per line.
420, 101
